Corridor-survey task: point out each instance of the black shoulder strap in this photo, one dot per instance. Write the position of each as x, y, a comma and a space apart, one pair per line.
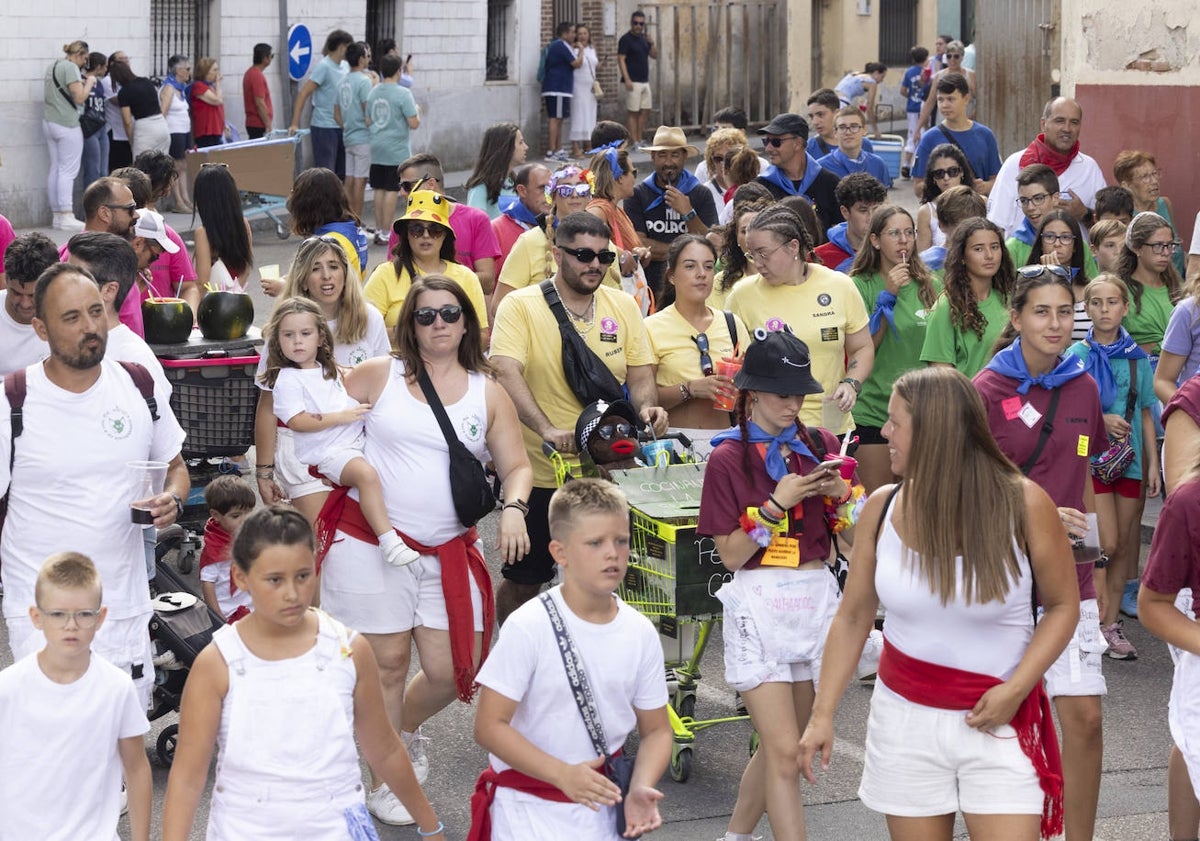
949, 135
145, 384
553, 301
887, 505
1131, 398
58, 84
439, 411
1047, 431
14, 390
733, 334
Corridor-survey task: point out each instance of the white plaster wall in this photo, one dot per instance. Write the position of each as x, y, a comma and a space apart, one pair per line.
1101, 38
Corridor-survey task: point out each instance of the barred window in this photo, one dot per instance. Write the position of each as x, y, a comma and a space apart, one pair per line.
499, 13
897, 31
381, 23
177, 26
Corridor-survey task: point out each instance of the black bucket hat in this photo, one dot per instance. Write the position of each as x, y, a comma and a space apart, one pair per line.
777, 362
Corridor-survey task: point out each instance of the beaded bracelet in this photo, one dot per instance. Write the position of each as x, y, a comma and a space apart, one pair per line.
518, 504
770, 517
757, 532
441, 827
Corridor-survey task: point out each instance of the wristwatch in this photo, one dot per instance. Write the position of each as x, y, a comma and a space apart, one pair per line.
178, 505
854, 384
690, 215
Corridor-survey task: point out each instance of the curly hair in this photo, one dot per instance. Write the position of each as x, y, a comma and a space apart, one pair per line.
733, 259
964, 309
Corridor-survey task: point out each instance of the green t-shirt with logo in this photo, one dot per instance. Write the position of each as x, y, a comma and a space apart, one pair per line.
352, 100
898, 352
966, 351
389, 106
1148, 326
59, 77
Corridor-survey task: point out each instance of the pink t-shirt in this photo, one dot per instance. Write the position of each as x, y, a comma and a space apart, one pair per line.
131, 310
7, 235
506, 230
474, 238
168, 269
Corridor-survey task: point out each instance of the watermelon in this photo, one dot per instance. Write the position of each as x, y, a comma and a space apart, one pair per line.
225, 315
167, 321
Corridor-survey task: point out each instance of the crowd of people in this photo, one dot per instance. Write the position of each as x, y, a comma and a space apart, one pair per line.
827, 352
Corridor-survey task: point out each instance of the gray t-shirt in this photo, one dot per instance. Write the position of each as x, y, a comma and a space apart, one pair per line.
58, 108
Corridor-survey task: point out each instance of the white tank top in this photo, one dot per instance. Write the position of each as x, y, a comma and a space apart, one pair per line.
988, 638
935, 230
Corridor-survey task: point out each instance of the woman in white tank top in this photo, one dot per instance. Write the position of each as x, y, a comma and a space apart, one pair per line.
959, 720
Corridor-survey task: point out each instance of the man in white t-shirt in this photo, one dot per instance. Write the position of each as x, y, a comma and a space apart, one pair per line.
70, 485
27, 257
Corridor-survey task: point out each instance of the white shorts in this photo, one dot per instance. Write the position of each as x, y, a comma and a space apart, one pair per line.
290, 474
358, 160
910, 145
123, 642
638, 99
362, 590
764, 648
1183, 713
1076, 672
332, 465
922, 761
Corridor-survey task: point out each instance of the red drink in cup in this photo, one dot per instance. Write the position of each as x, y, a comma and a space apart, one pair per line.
727, 367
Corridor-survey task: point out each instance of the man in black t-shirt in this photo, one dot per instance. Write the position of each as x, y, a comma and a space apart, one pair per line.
634, 51
672, 201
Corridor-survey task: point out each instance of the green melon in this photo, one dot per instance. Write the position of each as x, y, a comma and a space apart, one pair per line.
167, 321
225, 315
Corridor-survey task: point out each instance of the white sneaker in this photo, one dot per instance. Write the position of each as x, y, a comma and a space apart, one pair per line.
66, 221
387, 808
868, 663
415, 743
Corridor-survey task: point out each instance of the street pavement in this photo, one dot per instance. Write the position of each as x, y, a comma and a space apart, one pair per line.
1133, 795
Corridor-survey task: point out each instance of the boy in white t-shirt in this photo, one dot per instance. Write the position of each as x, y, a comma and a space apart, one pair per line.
545, 779
72, 723
229, 500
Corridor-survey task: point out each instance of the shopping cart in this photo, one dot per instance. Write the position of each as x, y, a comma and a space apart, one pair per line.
264, 170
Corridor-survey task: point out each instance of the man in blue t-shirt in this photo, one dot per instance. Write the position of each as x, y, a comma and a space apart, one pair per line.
634, 51
914, 88
392, 114
325, 135
557, 85
974, 139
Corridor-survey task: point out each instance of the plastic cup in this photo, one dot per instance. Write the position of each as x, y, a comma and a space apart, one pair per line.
270, 272
657, 453
1086, 549
847, 467
832, 417
146, 479
727, 367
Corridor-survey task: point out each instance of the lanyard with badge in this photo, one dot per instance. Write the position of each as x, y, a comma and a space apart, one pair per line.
784, 548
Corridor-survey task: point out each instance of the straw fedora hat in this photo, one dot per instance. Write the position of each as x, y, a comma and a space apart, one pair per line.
670, 138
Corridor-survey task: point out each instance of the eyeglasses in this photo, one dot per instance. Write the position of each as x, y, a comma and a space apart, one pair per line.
954, 55
706, 363
128, 208
62, 618
948, 172
614, 430
776, 142
1031, 272
1164, 247
409, 186
638, 23
421, 229
762, 256
900, 233
1057, 239
1155, 175
854, 128
215, 163
566, 191
587, 255
426, 315
1039, 199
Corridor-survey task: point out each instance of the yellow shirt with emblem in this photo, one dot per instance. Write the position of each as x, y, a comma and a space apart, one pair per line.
386, 292
526, 331
677, 354
821, 311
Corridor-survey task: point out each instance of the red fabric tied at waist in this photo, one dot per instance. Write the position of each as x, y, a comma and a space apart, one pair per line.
946, 688
485, 793
459, 558
216, 548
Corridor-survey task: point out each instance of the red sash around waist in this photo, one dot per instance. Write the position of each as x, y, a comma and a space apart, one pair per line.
485, 793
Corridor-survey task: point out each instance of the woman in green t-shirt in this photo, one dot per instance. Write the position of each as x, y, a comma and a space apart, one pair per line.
898, 290
65, 91
1145, 266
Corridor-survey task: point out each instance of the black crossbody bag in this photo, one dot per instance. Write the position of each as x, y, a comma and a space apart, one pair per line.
469, 487
588, 377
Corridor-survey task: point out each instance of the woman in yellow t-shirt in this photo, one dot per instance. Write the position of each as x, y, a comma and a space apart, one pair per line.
426, 246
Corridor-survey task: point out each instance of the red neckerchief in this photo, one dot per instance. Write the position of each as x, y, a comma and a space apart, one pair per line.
485, 793
459, 558
216, 548
954, 689
1038, 152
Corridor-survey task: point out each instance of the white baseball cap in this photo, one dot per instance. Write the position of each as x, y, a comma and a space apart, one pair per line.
150, 225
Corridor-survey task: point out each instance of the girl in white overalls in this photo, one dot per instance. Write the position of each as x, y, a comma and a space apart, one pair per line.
284, 693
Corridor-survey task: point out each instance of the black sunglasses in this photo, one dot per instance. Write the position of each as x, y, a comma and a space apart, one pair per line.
432, 229
776, 141
128, 208
426, 315
948, 172
409, 186
587, 255
614, 430
706, 363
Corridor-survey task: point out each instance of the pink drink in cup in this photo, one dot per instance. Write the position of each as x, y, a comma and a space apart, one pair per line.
727, 367
847, 467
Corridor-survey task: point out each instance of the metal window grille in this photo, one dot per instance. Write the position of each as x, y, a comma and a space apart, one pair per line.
381, 21
177, 26
497, 39
566, 10
897, 31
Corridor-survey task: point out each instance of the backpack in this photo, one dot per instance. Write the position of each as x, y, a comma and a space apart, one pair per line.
541, 74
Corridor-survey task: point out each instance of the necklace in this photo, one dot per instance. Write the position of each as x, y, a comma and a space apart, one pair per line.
582, 323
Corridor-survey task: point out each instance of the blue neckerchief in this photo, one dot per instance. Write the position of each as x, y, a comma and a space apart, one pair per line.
934, 257
1026, 233
777, 466
1099, 362
776, 176
515, 209
616, 144
1010, 362
885, 308
178, 85
837, 235
686, 183
847, 164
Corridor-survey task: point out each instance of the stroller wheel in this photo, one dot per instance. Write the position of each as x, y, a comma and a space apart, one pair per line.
167, 740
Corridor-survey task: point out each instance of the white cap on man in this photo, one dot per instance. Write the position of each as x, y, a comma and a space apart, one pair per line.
150, 225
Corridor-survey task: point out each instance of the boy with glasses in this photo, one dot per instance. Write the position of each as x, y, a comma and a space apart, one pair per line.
72, 722
1037, 187
849, 156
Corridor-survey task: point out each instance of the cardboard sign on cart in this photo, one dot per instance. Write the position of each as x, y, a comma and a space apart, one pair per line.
258, 166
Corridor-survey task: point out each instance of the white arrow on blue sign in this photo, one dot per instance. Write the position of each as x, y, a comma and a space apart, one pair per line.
299, 50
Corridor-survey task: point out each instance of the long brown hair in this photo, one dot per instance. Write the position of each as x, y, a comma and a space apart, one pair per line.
964, 309
1138, 234
470, 349
981, 514
402, 255
352, 305
869, 260
275, 358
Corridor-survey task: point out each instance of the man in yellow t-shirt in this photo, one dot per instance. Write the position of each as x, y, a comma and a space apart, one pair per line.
826, 312
527, 353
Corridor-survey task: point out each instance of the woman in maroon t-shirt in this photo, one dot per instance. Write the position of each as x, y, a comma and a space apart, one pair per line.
764, 504
1019, 387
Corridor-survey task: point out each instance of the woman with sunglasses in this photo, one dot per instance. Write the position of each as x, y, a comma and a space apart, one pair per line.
443, 601
899, 291
224, 253
613, 179
532, 257
1044, 412
425, 247
323, 273
947, 168
1059, 241
973, 309
954, 64
689, 338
